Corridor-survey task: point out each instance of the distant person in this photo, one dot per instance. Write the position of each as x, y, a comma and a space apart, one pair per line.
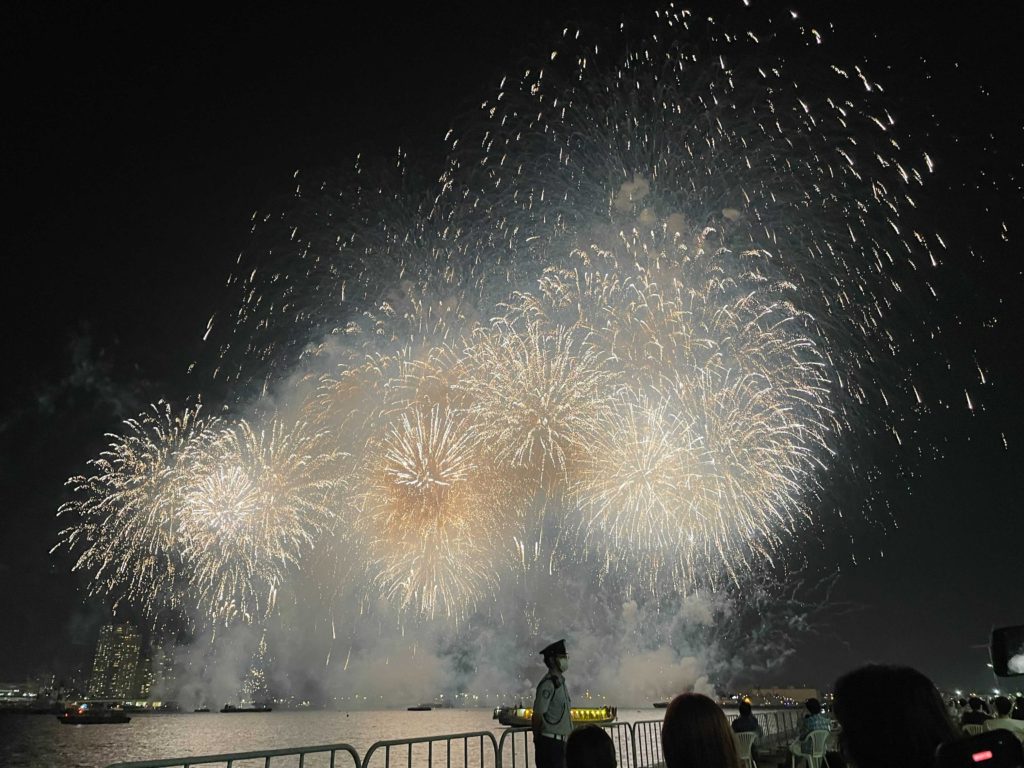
962, 707
974, 715
696, 734
747, 723
954, 707
891, 717
1002, 720
814, 720
590, 747
552, 720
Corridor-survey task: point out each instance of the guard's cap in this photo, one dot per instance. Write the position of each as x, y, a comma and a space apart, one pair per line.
557, 648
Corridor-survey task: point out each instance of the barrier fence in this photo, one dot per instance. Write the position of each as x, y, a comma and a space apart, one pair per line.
637, 745
474, 749
266, 756
779, 726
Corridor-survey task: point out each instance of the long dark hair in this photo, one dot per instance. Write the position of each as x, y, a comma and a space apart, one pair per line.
892, 717
590, 747
697, 735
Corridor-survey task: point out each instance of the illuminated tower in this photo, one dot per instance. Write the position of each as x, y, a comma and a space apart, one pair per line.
254, 687
116, 662
165, 681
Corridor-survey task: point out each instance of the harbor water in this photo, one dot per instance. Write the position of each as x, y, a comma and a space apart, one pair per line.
33, 741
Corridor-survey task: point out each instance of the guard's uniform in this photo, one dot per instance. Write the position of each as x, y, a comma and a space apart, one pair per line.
552, 704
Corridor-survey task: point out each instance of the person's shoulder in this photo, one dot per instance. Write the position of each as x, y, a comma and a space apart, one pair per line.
546, 689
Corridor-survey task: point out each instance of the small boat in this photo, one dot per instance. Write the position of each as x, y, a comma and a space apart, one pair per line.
420, 708
201, 709
520, 717
254, 708
94, 712
661, 705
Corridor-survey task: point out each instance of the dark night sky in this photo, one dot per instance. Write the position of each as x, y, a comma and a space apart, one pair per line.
135, 148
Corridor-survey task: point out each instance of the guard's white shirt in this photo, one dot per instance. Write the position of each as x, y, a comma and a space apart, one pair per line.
552, 704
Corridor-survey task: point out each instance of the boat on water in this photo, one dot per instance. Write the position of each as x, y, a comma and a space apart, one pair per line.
201, 709
94, 712
520, 717
420, 708
257, 707
661, 705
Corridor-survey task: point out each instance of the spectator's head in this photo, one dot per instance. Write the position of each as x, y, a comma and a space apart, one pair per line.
745, 709
556, 657
1002, 705
697, 735
590, 747
903, 734
962, 703
975, 703
813, 706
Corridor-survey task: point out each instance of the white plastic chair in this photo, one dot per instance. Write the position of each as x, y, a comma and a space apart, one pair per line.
816, 757
832, 742
995, 725
745, 747
972, 729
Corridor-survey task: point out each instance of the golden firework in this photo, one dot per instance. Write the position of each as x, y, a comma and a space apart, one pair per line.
253, 508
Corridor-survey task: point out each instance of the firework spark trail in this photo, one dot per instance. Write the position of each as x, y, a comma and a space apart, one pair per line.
432, 514
642, 488
127, 514
255, 503
535, 394
688, 136
647, 302
729, 361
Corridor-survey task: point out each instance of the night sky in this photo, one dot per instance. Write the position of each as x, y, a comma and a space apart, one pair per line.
136, 147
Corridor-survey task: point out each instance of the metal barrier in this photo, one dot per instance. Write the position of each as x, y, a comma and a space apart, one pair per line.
513, 734
622, 738
647, 743
464, 738
515, 746
266, 755
637, 745
779, 726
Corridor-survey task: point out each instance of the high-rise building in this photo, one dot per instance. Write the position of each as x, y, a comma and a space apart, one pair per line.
116, 663
165, 680
143, 681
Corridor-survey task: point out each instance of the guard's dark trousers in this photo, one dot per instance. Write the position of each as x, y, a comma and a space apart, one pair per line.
550, 752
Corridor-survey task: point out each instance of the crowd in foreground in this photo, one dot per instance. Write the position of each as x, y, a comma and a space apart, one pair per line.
884, 717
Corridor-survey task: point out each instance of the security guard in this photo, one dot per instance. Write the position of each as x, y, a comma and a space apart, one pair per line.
552, 721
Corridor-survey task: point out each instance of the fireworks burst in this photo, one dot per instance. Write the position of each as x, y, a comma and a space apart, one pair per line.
127, 513
255, 502
433, 515
649, 301
536, 394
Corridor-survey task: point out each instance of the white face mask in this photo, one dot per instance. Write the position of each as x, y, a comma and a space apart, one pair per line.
563, 664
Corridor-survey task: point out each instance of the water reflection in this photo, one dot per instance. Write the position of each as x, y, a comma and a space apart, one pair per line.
36, 741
